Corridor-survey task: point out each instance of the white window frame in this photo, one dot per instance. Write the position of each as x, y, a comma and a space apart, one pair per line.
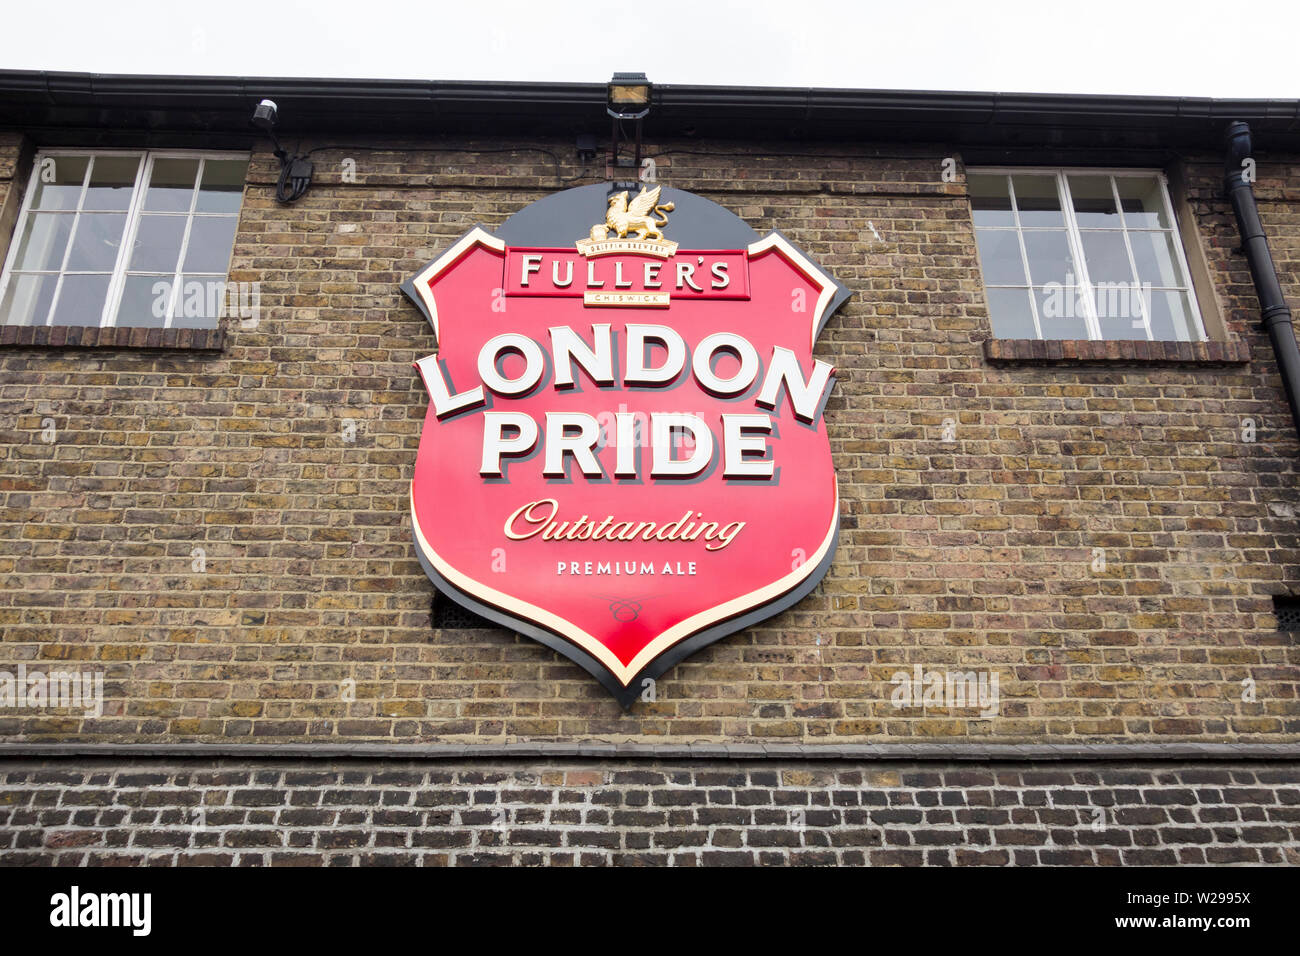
1074, 236
117, 279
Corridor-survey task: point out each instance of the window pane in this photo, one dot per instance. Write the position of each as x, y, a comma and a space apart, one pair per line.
68, 246
157, 244
1060, 314
1123, 228
81, 300
1171, 317
97, 240
1037, 201
27, 300
990, 201
1122, 329
1120, 311
1000, 257
144, 301
171, 186
200, 303
112, 179
1094, 203
1143, 202
1049, 256
222, 188
1107, 257
211, 240
1010, 314
1157, 262
58, 181
43, 242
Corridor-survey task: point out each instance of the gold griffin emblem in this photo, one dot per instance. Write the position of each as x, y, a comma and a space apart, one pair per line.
637, 217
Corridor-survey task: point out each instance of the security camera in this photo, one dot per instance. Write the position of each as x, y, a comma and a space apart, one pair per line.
295, 171
264, 115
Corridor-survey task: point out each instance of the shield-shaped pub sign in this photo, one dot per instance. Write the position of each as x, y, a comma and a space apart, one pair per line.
624, 455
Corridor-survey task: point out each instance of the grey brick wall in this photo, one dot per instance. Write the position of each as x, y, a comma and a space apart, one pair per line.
349, 812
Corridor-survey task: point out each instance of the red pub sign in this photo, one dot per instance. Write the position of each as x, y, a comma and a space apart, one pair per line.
624, 455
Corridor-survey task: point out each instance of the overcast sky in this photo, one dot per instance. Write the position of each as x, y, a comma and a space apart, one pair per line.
1173, 47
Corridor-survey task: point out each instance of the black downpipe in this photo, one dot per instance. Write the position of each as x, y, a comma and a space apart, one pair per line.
1276, 317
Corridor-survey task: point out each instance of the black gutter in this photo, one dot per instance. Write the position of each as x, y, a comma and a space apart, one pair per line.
38, 100
1275, 314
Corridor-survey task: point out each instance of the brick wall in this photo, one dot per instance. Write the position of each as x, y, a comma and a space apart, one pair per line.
971, 555
656, 812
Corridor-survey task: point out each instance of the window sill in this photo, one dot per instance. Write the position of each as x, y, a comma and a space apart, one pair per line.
83, 337
1089, 352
